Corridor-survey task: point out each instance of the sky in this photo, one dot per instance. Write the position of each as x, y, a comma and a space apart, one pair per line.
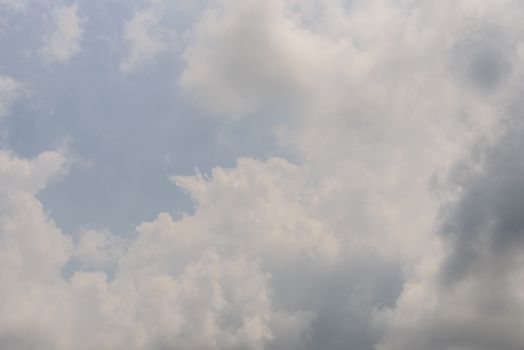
248, 174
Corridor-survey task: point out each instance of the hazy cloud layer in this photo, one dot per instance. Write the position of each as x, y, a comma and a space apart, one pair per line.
393, 220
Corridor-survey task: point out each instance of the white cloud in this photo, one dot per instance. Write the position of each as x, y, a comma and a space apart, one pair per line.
10, 90
267, 195
482, 310
144, 37
194, 284
374, 122
98, 250
246, 53
64, 41
32, 246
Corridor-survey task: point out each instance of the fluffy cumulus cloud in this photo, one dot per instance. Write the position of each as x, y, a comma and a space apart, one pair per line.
390, 104
398, 226
245, 54
63, 42
199, 283
32, 252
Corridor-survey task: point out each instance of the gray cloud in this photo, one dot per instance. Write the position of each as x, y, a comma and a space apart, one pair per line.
486, 225
468, 294
484, 58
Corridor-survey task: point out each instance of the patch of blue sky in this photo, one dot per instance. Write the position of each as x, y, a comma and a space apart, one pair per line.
129, 131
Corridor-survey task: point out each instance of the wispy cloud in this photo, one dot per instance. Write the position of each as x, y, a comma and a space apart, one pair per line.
143, 35
64, 41
10, 90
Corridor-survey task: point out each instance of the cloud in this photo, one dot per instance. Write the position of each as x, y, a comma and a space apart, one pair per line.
10, 90
14, 4
32, 248
465, 294
470, 297
192, 284
98, 250
398, 226
64, 41
269, 193
144, 37
373, 121
244, 54
210, 280
380, 111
